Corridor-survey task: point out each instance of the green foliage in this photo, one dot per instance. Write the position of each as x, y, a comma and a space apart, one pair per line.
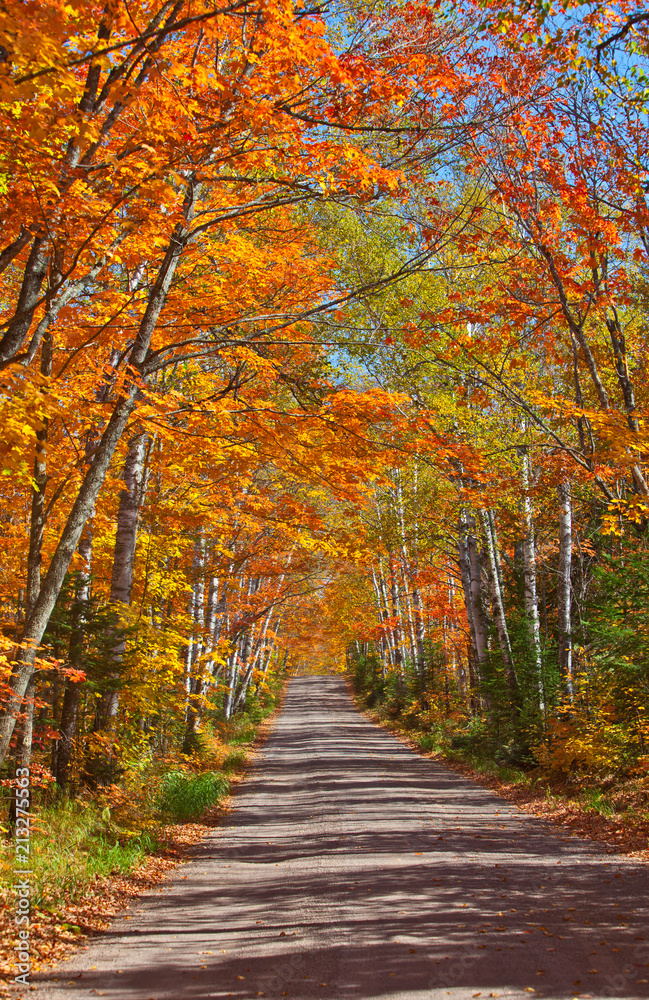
77, 843
429, 741
241, 729
235, 761
96, 626
428, 702
368, 679
619, 617
594, 800
187, 796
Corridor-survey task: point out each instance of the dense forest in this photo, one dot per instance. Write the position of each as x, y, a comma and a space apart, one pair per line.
324, 344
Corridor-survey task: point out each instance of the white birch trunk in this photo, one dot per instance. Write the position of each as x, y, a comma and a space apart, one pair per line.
465, 577
236, 658
564, 587
407, 578
194, 668
497, 604
475, 589
407, 590
529, 568
385, 614
397, 629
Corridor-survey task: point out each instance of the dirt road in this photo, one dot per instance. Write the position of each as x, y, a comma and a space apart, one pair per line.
352, 868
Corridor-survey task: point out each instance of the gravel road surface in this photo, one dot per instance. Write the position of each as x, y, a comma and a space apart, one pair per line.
351, 868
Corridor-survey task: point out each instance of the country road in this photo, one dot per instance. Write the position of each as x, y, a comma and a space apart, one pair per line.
353, 868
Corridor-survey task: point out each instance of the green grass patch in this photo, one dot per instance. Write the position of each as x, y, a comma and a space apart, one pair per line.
236, 760
187, 796
594, 801
74, 844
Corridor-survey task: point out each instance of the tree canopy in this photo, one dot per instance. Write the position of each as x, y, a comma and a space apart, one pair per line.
323, 342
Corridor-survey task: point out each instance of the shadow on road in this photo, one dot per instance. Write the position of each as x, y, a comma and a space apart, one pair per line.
352, 868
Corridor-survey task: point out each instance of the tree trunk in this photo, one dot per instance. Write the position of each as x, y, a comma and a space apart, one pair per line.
259, 646
237, 661
420, 628
33, 277
618, 343
498, 608
529, 568
33, 585
469, 563
130, 499
406, 573
564, 587
476, 593
195, 667
72, 693
245, 668
396, 618
465, 577
384, 609
121, 583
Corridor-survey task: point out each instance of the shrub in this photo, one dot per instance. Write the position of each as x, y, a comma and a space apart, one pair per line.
235, 761
187, 796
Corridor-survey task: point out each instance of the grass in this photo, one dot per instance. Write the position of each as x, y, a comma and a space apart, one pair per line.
242, 729
184, 797
76, 843
235, 760
593, 801
91, 855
